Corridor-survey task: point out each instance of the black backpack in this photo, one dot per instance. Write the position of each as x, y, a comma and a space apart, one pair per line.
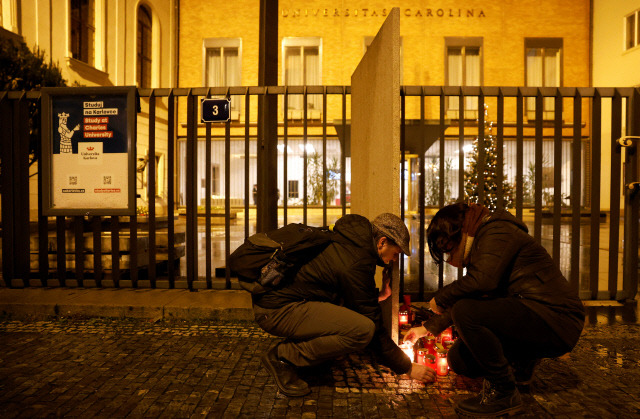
264, 260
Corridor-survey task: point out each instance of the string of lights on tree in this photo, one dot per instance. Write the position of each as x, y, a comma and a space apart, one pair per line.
490, 174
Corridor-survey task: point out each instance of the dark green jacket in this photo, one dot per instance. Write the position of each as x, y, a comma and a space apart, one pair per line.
506, 261
343, 274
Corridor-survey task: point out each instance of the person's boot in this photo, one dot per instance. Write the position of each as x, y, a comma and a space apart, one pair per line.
284, 374
493, 400
523, 371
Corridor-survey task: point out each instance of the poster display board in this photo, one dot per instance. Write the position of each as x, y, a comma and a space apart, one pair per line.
88, 150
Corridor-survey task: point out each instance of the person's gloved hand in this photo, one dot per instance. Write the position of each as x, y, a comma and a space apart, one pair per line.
414, 334
422, 373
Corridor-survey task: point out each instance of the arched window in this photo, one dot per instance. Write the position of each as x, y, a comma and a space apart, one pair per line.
143, 74
83, 30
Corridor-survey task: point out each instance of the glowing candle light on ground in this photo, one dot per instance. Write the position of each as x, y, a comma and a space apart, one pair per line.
407, 348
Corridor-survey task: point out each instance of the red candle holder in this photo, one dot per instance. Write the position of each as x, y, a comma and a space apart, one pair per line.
403, 317
447, 334
421, 356
430, 361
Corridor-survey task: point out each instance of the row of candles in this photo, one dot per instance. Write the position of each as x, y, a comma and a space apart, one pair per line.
429, 350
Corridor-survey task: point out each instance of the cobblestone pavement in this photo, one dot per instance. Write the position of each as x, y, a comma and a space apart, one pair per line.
134, 368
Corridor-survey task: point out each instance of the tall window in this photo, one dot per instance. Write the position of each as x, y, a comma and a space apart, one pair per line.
143, 71
463, 68
543, 69
302, 58
632, 30
222, 58
8, 15
83, 30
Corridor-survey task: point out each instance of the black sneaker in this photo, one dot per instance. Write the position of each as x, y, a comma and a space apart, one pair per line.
490, 402
284, 374
523, 371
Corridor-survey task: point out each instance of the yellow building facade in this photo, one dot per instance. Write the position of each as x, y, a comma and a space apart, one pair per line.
541, 43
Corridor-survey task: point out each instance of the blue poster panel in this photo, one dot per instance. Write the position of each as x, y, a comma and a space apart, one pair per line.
90, 140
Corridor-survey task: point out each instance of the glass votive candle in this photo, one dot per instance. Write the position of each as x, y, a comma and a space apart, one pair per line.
442, 367
403, 317
421, 356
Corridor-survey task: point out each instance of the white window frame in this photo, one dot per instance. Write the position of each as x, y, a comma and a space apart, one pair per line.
635, 42
313, 112
471, 103
222, 43
543, 44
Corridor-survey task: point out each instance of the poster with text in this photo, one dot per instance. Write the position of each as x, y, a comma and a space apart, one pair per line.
90, 153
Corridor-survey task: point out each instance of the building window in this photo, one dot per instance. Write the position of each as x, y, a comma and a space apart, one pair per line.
292, 189
543, 69
8, 15
143, 74
222, 59
632, 32
302, 67
463, 68
83, 30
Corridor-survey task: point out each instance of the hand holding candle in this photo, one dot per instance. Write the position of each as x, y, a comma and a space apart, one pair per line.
414, 334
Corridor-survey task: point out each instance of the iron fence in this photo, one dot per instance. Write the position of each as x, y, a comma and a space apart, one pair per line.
185, 240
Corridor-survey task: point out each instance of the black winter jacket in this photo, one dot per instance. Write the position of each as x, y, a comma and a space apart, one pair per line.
505, 261
343, 274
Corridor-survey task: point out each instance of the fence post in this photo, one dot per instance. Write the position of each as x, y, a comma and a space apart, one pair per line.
631, 202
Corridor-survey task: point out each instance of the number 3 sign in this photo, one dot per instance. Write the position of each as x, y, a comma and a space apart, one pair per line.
215, 110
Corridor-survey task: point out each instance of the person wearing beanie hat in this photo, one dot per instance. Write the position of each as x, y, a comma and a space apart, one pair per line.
330, 307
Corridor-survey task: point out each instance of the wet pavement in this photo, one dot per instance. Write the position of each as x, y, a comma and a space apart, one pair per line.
101, 367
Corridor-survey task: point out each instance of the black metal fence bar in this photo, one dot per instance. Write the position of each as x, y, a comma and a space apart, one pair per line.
61, 260
576, 190
227, 201
500, 151
594, 242
191, 178
247, 151
96, 230
632, 199
207, 200
421, 196
171, 139
151, 194
519, 153
403, 191
614, 217
78, 227
537, 223
557, 177
285, 160
324, 158
115, 248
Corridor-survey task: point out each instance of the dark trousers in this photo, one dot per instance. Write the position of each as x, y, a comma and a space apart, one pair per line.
315, 331
494, 333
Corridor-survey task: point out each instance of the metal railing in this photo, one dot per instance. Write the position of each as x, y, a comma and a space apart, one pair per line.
126, 251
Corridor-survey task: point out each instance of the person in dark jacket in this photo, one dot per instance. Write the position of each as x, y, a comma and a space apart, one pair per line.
512, 307
331, 307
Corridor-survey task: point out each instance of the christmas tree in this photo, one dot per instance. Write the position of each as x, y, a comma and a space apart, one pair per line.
489, 174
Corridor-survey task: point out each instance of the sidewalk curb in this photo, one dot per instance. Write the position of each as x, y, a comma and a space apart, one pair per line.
43, 303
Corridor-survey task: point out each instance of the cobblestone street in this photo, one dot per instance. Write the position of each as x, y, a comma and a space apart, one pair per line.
136, 368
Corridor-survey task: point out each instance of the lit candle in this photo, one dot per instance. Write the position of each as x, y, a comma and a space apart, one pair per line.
407, 348
442, 367
403, 317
